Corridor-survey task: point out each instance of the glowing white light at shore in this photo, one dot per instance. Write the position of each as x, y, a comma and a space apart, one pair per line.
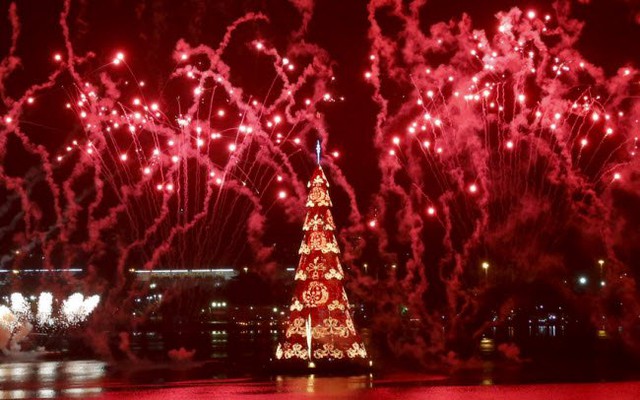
45, 308
19, 304
76, 308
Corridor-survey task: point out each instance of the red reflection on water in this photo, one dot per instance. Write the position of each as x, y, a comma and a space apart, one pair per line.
365, 388
87, 379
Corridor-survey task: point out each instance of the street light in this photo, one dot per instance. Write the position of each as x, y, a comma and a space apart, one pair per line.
485, 267
601, 263
582, 280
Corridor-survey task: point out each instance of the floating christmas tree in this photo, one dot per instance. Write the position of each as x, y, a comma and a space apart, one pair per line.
320, 326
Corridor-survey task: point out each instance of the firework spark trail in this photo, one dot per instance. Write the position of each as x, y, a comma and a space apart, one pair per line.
178, 229
10, 62
305, 8
382, 52
315, 69
32, 214
503, 115
140, 154
45, 308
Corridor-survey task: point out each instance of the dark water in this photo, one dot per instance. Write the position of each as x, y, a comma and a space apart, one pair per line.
23, 378
237, 366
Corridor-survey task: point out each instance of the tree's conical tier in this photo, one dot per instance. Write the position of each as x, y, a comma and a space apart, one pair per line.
320, 326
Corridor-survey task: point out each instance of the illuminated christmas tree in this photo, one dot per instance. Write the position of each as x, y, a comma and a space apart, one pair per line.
320, 327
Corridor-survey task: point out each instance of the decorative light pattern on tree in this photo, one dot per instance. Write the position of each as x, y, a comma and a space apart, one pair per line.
320, 325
